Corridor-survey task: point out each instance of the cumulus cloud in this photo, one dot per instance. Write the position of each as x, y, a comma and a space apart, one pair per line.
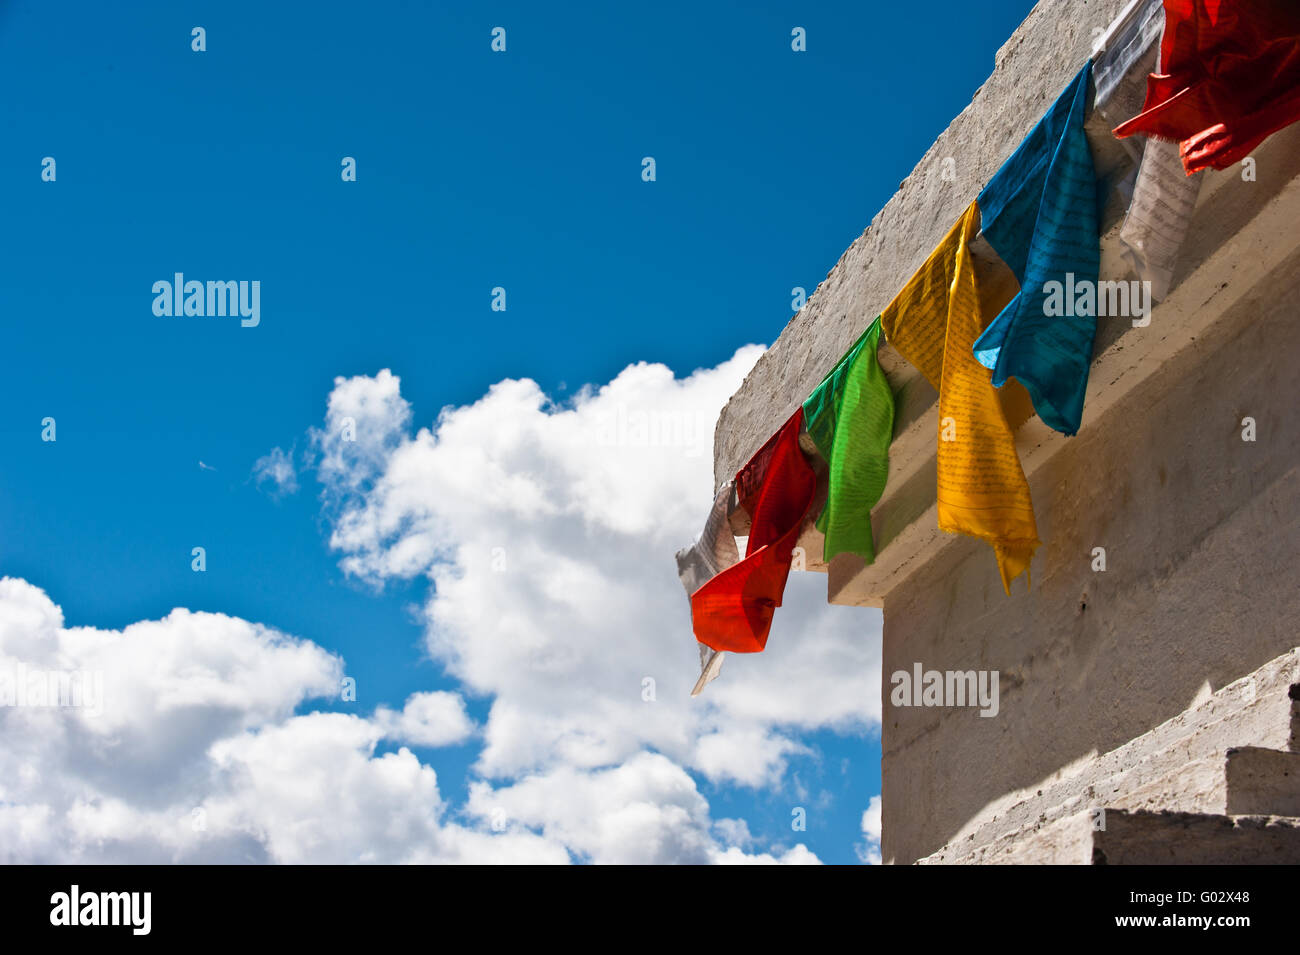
547, 531
275, 469
194, 753
427, 719
311, 790
869, 849
733, 832
799, 855
646, 810
365, 420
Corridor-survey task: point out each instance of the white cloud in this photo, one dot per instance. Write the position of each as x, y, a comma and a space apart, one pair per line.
869, 849
799, 855
733, 832
644, 811
195, 753
427, 719
753, 756
364, 420
312, 791
547, 532
276, 469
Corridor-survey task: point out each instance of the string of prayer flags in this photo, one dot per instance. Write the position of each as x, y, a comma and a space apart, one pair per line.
733, 611
1229, 77
933, 323
850, 418
1039, 213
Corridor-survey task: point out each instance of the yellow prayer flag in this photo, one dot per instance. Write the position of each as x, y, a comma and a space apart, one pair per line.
933, 322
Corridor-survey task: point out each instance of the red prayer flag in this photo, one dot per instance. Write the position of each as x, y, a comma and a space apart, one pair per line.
1230, 77
733, 611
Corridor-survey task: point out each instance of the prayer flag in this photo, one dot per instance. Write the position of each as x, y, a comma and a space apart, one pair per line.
733, 611
933, 322
1039, 213
1229, 77
850, 418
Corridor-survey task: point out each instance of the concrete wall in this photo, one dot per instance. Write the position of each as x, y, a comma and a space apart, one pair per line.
1234, 753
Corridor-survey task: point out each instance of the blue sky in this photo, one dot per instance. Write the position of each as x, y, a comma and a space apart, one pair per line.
475, 170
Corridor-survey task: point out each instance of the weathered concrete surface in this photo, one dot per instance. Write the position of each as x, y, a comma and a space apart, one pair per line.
1260, 781
1241, 781
1030, 70
1171, 838
1159, 770
1142, 837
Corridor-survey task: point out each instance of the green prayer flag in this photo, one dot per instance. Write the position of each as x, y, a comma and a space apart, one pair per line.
850, 418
